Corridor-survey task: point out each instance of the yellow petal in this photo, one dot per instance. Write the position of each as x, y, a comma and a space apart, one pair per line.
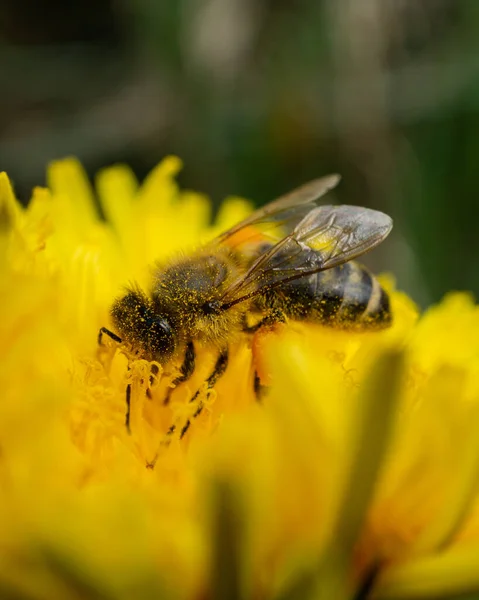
10, 209
67, 180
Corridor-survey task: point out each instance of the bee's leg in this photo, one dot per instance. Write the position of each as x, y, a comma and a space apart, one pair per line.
128, 402
368, 583
218, 371
275, 315
154, 371
186, 370
258, 387
104, 330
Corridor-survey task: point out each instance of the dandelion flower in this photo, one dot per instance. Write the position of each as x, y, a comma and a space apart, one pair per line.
355, 478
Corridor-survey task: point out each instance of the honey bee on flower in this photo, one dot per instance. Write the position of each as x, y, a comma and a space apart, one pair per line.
291, 259
333, 484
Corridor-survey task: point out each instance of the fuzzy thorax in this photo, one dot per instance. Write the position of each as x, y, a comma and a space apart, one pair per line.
184, 304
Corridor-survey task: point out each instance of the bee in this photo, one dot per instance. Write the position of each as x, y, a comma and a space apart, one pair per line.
289, 260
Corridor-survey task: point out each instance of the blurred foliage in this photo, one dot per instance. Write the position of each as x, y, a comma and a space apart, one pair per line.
257, 96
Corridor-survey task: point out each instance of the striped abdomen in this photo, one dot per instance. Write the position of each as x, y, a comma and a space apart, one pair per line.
345, 296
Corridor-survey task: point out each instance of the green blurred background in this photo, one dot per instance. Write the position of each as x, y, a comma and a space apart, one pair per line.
258, 96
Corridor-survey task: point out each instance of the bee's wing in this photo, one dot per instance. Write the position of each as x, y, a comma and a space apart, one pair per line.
284, 213
326, 237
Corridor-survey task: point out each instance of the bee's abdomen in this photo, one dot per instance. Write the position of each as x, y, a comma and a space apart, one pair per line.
345, 296
364, 301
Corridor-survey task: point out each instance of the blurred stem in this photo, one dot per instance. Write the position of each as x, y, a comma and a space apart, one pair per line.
367, 447
227, 534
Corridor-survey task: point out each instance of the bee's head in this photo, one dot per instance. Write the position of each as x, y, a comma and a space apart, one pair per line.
139, 325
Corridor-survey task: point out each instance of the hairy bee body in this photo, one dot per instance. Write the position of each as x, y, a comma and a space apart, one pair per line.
291, 259
189, 292
187, 295
346, 296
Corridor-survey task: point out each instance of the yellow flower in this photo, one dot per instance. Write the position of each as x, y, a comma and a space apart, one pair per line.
356, 477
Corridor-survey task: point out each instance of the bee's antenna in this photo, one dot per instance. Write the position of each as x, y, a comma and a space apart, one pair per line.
113, 336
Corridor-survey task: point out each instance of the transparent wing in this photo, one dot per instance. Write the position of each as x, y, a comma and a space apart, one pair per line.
326, 237
280, 217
